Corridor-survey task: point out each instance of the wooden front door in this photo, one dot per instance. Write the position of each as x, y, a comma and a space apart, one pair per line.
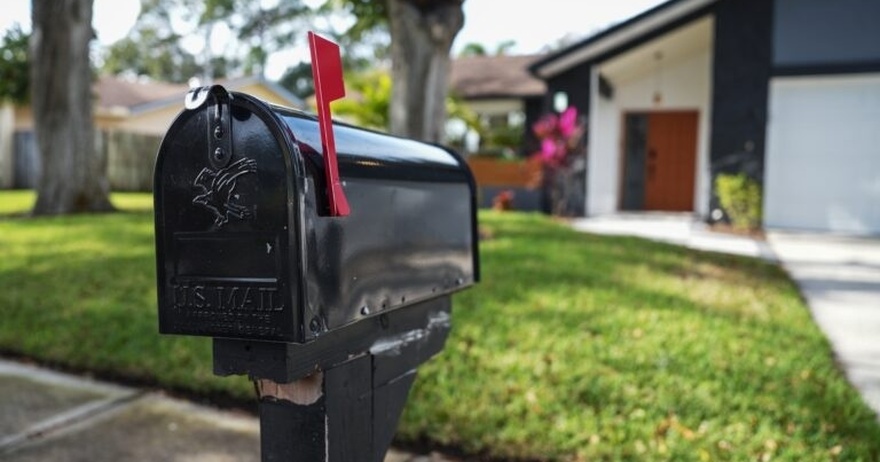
660, 155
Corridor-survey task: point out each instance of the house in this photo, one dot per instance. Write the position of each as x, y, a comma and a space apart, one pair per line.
506, 100
501, 92
131, 116
786, 91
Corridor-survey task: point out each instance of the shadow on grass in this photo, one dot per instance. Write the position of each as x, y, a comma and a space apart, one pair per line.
567, 327
572, 346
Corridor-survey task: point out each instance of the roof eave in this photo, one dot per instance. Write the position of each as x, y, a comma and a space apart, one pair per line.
231, 84
490, 96
616, 36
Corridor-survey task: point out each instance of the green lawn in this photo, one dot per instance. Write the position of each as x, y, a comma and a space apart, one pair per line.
573, 347
20, 202
16, 202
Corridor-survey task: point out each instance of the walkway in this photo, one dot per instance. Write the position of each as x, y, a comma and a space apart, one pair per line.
840, 279
49, 416
675, 228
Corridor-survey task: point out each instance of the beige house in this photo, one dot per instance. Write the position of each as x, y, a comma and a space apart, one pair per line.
500, 91
507, 99
131, 117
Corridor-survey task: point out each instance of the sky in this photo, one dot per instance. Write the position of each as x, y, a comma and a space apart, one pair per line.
535, 24
531, 25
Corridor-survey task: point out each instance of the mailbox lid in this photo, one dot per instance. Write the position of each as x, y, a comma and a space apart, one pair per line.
365, 153
412, 231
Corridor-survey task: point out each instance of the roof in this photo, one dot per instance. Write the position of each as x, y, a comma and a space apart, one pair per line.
483, 77
619, 36
117, 93
123, 96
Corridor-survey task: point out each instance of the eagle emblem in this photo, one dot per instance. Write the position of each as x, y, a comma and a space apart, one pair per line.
218, 191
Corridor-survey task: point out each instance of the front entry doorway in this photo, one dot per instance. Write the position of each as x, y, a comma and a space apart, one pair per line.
659, 161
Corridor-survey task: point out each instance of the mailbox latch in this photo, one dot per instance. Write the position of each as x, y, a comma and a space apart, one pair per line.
219, 123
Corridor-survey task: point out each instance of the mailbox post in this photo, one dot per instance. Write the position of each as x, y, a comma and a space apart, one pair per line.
330, 314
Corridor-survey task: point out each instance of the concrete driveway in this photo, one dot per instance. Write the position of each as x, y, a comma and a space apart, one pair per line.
840, 279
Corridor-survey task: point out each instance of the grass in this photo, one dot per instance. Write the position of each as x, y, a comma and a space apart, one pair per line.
16, 202
20, 202
573, 347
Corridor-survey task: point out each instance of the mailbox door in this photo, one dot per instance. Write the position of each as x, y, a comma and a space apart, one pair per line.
227, 231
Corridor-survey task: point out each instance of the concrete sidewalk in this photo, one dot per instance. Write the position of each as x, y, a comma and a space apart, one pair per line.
49, 416
674, 228
840, 279
838, 276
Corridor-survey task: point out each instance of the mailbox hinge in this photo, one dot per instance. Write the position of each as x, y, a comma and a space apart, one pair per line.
219, 121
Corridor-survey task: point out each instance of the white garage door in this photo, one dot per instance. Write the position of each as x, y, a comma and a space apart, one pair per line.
823, 154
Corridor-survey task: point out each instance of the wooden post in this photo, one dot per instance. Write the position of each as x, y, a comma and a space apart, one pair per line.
293, 420
333, 416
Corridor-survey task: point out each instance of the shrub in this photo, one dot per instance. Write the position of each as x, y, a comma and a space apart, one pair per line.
740, 197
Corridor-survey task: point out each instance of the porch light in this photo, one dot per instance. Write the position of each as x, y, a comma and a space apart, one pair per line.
658, 78
560, 101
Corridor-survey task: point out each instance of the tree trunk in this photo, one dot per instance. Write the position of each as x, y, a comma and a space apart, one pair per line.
421, 37
73, 175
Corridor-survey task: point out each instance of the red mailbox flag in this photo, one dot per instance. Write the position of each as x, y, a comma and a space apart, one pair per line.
327, 73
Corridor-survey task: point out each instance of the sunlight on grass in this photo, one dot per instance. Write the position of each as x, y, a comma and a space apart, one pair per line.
579, 347
19, 202
572, 347
132, 201
16, 202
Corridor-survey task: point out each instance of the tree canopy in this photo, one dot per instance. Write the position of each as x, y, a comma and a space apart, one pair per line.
478, 49
174, 40
421, 32
368, 100
14, 66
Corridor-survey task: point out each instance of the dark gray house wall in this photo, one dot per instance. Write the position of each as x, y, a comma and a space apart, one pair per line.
575, 82
812, 36
740, 80
534, 109
754, 41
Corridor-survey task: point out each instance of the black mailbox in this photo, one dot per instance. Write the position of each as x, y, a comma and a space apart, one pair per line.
246, 248
326, 279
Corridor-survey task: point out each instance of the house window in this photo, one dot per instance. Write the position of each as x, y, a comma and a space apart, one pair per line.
495, 121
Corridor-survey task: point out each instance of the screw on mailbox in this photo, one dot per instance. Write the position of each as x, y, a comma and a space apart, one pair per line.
259, 248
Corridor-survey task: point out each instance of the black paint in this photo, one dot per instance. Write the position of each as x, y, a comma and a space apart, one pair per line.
292, 432
247, 255
244, 249
575, 83
534, 109
354, 420
350, 422
864, 67
740, 81
388, 403
636, 147
288, 362
368, 369
818, 33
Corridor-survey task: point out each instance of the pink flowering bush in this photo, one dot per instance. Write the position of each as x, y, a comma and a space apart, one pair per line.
561, 140
559, 136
